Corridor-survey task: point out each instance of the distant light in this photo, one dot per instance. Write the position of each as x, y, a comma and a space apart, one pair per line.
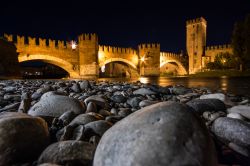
103, 68
142, 59
224, 60
73, 45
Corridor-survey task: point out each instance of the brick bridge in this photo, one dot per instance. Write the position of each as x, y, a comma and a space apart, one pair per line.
88, 57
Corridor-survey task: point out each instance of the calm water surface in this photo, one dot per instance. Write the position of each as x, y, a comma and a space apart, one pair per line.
235, 85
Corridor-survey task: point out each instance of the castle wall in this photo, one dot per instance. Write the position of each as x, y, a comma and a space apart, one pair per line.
46, 47
107, 52
88, 57
149, 59
212, 51
51, 51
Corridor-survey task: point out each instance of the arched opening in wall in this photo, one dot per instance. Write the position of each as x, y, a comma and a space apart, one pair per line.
117, 69
42, 69
170, 69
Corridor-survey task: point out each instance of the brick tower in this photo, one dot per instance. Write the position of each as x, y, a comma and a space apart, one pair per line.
196, 43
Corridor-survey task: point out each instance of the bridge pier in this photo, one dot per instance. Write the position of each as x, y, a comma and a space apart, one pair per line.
149, 59
88, 56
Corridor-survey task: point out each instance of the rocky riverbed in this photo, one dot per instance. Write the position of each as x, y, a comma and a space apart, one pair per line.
80, 122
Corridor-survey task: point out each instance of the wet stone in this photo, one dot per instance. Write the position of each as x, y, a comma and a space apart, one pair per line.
134, 102
124, 112
232, 130
203, 105
54, 105
68, 153
244, 110
98, 127
157, 129
118, 98
144, 91
22, 137
91, 107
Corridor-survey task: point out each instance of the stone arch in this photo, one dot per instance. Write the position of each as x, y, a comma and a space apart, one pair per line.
51, 59
117, 60
134, 72
181, 68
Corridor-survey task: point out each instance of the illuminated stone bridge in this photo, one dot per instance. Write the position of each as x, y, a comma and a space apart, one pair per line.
88, 58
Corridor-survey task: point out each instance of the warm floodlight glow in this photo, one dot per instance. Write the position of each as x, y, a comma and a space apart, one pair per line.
142, 59
103, 68
73, 45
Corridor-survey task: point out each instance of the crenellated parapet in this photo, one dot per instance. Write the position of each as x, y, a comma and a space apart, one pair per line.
8, 37
88, 37
52, 43
212, 51
169, 55
149, 46
42, 42
219, 47
60, 44
197, 20
116, 50
20, 40
31, 41
39, 42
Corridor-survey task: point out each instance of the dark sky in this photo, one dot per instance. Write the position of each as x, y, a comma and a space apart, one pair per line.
122, 23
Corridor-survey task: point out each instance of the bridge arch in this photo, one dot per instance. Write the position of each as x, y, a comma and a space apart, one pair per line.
181, 71
133, 70
117, 60
50, 59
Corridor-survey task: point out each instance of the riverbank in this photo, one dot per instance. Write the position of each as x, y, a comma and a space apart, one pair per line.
222, 73
70, 122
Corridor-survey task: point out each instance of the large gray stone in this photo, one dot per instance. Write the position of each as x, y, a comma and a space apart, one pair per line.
83, 119
232, 130
203, 105
244, 110
165, 133
52, 104
118, 98
22, 137
144, 91
9, 89
99, 127
91, 107
134, 102
180, 90
219, 96
44, 89
76, 88
98, 100
84, 85
68, 153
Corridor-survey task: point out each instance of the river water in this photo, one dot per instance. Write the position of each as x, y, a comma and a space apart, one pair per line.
234, 85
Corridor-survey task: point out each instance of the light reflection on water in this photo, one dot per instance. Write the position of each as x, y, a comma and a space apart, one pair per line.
235, 85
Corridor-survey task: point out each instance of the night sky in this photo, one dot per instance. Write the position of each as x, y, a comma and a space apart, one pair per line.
123, 23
